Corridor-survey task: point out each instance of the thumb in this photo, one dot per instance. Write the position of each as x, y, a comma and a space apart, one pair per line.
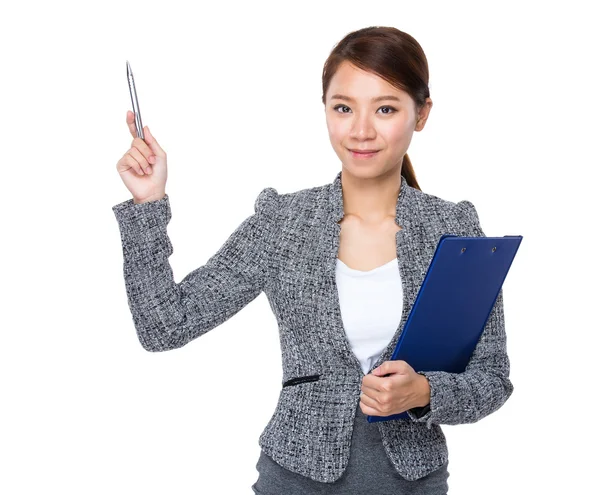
153, 143
382, 369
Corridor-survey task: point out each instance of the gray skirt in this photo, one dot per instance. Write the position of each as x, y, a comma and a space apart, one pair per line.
369, 470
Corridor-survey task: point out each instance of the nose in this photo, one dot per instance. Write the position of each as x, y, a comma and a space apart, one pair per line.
362, 127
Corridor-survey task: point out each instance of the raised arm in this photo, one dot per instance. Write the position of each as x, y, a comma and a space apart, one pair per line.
167, 315
484, 386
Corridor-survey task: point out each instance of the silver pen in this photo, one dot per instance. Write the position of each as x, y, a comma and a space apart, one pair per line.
134, 101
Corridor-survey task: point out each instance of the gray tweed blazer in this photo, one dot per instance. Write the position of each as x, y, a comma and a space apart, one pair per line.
288, 249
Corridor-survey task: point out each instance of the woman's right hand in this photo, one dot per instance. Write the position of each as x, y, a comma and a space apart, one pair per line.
143, 167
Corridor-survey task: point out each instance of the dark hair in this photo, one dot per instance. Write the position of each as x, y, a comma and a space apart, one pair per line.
394, 56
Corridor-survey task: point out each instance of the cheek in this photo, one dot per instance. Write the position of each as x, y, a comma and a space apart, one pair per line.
399, 133
337, 132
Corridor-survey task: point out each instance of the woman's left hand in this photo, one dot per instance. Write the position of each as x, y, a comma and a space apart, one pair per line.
402, 390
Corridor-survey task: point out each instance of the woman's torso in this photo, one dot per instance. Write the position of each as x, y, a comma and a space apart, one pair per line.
367, 257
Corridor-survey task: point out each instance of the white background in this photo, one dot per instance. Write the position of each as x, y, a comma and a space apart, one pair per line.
233, 94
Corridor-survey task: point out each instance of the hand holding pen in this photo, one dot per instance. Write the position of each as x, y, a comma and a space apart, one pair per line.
143, 167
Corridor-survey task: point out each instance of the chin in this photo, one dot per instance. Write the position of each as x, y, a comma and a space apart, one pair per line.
363, 172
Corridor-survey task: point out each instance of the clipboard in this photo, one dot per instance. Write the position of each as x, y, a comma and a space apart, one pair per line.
453, 304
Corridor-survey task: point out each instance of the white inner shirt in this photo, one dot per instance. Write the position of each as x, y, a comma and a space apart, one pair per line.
371, 307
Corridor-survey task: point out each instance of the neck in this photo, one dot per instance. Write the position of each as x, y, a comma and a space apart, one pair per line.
372, 199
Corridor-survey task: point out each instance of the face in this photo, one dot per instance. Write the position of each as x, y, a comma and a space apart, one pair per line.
356, 121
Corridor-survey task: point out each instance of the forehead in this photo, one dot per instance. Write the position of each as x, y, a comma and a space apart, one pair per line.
358, 84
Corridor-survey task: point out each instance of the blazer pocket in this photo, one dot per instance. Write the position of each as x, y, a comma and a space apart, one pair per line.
301, 379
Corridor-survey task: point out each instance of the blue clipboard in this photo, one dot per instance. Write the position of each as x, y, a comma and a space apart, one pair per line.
454, 303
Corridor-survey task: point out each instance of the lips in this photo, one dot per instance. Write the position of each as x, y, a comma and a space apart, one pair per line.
363, 154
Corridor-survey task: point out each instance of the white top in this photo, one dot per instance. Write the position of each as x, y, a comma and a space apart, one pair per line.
371, 307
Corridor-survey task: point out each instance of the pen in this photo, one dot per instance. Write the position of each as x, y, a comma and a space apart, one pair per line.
134, 101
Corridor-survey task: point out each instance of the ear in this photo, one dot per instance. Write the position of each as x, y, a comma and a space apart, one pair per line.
423, 115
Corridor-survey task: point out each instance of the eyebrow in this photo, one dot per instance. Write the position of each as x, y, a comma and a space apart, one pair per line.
377, 98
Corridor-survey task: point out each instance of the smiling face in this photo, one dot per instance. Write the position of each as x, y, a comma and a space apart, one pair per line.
363, 111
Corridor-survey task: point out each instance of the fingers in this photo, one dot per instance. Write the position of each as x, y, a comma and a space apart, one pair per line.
130, 163
150, 144
130, 119
139, 162
153, 143
143, 148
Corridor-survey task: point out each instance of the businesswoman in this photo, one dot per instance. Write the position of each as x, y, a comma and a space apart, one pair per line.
341, 265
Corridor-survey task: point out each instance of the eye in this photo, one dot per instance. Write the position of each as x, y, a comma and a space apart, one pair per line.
391, 108
340, 106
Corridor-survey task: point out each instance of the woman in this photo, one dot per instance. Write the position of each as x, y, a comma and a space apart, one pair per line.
334, 260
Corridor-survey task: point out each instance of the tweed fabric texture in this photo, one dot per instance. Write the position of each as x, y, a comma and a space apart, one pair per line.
288, 249
369, 471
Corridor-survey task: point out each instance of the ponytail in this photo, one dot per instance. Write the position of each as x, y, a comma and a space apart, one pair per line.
409, 173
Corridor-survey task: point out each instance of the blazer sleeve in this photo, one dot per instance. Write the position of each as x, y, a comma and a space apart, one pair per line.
484, 386
168, 315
